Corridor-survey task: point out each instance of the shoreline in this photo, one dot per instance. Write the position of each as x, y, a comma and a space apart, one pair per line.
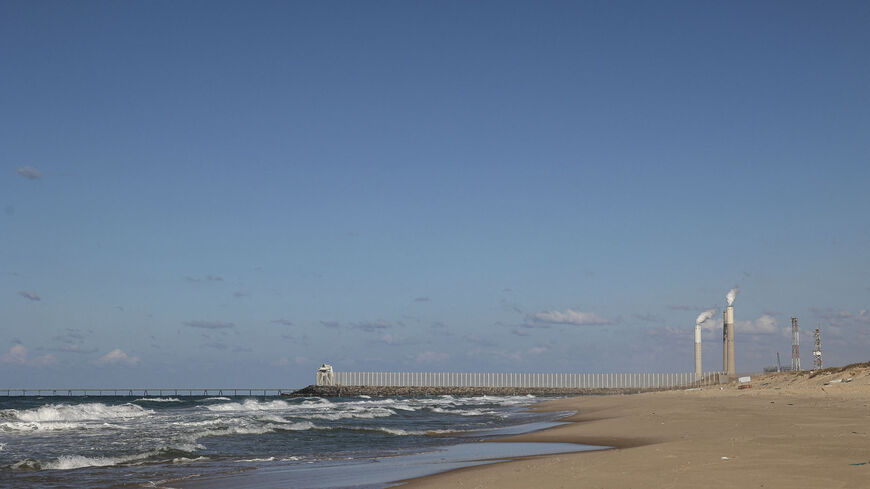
389, 471
788, 430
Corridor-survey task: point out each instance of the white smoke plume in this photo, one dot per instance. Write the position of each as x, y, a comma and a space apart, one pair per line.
705, 316
732, 294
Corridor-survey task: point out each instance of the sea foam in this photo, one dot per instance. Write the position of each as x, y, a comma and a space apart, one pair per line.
79, 412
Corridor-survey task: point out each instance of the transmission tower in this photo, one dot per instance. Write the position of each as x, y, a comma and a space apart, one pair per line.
795, 345
817, 350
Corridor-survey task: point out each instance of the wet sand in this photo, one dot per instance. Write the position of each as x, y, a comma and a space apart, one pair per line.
786, 431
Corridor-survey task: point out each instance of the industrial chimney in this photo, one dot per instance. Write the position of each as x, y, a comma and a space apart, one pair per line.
698, 372
728, 335
701, 318
730, 368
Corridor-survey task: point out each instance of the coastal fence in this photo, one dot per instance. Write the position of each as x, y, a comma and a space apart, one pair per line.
524, 380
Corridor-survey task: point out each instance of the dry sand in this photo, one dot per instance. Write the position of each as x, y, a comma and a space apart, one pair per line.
786, 431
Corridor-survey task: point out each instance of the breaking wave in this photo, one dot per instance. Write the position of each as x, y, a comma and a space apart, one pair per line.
77, 412
251, 405
70, 462
34, 426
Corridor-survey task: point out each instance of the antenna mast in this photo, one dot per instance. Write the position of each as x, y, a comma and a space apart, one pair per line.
795, 345
817, 350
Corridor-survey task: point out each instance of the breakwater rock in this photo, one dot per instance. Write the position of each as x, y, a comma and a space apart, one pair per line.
396, 391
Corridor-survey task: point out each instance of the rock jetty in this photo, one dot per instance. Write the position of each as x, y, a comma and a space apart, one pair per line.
394, 391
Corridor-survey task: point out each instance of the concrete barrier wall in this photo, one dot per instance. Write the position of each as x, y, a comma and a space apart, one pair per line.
525, 380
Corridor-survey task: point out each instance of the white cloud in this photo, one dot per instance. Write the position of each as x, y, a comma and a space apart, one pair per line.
432, 357
570, 316
117, 356
43, 360
392, 339
17, 355
766, 324
29, 172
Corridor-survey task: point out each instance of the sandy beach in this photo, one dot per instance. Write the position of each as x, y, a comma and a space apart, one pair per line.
786, 431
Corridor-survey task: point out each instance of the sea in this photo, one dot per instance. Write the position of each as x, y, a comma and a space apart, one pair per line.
265, 442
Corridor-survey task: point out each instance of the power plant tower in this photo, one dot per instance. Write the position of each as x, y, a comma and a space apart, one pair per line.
795, 346
698, 369
728, 365
724, 344
701, 318
730, 368
817, 350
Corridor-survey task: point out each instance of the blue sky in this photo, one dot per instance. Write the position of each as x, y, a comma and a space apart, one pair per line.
228, 194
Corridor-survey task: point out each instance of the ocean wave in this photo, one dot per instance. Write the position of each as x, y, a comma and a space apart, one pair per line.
251, 405
24, 426
352, 414
271, 418
465, 412
300, 426
401, 405
503, 400
79, 412
70, 462
246, 429
158, 399
187, 460
214, 399
400, 432
269, 459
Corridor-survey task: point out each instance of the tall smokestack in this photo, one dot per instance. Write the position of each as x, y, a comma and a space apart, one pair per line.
701, 318
731, 371
728, 335
725, 341
698, 370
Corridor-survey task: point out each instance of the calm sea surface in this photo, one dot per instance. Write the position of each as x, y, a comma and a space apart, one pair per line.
54, 442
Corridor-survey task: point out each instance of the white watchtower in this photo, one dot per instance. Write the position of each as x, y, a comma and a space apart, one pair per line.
325, 375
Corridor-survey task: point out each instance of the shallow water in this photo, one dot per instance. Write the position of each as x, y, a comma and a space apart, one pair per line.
55, 442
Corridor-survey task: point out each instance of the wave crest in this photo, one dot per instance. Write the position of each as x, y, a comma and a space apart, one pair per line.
78, 412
